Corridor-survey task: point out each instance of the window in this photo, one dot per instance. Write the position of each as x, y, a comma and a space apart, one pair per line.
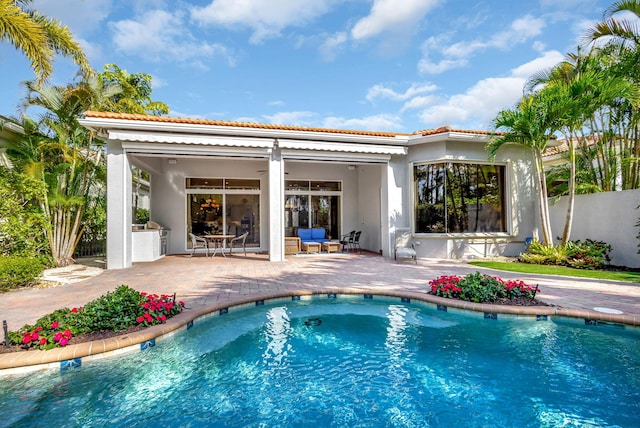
454, 197
224, 206
312, 204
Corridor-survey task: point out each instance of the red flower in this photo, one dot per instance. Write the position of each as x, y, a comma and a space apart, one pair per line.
54, 325
26, 338
43, 341
67, 334
57, 337
140, 319
64, 341
74, 310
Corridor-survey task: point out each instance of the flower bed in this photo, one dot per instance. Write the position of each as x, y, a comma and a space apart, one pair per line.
114, 313
480, 288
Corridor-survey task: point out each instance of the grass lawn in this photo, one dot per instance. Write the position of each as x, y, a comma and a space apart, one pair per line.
559, 270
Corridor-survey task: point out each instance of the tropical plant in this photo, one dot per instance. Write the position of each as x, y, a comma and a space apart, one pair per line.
38, 37
65, 156
531, 124
135, 96
22, 224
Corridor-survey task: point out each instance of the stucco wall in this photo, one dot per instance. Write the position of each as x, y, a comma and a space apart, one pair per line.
520, 204
609, 217
168, 205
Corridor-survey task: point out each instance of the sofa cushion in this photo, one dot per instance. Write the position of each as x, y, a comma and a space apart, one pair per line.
304, 234
317, 233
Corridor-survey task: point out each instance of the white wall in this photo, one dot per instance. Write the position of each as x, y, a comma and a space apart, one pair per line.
168, 205
520, 205
608, 217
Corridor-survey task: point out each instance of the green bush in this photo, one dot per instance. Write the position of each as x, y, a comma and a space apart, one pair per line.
116, 310
586, 254
19, 271
480, 288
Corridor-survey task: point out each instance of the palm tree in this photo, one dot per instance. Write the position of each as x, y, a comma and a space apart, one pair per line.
621, 32
531, 124
38, 37
65, 156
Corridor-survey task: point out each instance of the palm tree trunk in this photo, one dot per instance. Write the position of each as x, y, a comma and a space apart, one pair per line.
572, 192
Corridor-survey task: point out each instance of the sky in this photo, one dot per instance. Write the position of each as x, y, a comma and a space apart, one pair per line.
375, 65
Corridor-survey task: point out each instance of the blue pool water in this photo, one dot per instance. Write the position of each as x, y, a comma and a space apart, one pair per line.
349, 362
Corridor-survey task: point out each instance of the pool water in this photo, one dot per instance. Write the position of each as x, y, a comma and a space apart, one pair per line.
349, 363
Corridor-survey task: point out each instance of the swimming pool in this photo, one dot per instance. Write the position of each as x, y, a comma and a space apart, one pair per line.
348, 361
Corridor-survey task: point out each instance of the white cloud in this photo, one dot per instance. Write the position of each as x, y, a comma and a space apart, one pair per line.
419, 102
265, 18
293, 118
546, 61
392, 15
456, 55
329, 48
381, 91
82, 17
478, 106
381, 122
161, 36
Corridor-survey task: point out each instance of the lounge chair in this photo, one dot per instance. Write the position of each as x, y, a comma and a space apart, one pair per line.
404, 246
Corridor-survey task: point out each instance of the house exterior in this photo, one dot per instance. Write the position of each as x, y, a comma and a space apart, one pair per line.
209, 177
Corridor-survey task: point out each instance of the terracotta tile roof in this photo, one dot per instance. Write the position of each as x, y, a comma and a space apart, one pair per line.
192, 121
563, 146
445, 129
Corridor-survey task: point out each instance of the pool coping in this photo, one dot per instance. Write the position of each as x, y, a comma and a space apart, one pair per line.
70, 356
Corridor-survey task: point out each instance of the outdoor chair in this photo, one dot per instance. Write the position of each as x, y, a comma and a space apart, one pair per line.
198, 242
356, 241
347, 239
240, 241
404, 246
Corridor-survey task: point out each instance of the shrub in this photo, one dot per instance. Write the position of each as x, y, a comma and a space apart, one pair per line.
588, 254
54, 329
115, 311
19, 271
480, 288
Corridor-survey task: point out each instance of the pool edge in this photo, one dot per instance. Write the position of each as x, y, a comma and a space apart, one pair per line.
73, 355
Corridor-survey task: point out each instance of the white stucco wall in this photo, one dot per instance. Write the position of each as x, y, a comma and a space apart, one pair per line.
520, 201
168, 205
608, 217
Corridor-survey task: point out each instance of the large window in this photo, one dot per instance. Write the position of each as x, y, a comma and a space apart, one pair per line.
224, 206
312, 204
454, 197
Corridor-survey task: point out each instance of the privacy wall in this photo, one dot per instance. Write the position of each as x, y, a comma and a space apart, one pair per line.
609, 217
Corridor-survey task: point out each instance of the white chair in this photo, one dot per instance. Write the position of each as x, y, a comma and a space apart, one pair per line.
198, 242
239, 240
404, 246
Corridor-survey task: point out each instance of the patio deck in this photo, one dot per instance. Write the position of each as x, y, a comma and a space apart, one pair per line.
205, 284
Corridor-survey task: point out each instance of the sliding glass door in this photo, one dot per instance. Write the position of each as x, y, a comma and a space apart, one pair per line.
312, 204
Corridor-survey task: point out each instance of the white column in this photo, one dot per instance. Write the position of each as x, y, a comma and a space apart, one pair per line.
118, 207
276, 205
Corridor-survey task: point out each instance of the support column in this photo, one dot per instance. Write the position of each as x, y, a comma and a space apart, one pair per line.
119, 216
276, 205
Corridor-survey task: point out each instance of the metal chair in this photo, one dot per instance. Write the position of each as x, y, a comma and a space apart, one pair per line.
356, 241
198, 242
242, 239
347, 239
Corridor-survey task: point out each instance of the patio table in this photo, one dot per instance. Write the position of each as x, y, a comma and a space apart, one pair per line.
219, 241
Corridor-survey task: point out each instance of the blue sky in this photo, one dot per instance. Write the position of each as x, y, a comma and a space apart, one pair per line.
384, 65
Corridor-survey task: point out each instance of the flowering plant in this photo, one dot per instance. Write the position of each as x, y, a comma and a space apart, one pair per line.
157, 308
446, 286
53, 330
481, 288
114, 311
